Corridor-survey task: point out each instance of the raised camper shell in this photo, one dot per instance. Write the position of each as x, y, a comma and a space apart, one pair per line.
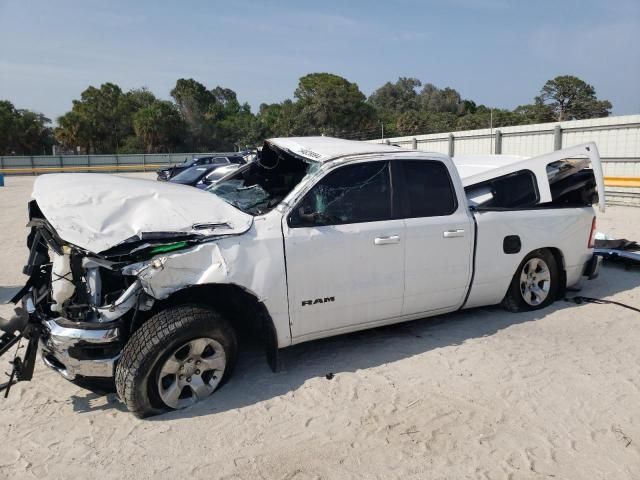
476, 170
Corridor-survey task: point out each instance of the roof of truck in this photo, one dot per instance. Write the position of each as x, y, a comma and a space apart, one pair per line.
472, 166
324, 149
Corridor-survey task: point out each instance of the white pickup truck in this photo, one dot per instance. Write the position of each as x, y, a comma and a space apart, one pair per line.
149, 283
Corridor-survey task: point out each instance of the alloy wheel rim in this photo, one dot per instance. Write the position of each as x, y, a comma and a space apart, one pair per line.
191, 373
535, 281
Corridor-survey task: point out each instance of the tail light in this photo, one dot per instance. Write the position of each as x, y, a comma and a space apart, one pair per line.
592, 234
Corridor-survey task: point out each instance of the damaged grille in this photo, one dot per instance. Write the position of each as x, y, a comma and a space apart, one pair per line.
67, 281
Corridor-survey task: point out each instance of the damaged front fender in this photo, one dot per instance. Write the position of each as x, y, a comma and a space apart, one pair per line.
164, 275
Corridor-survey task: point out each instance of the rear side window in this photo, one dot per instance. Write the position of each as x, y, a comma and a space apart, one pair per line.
572, 182
236, 160
429, 191
515, 190
351, 194
219, 161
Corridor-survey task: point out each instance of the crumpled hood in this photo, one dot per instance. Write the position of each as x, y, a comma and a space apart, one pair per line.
99, 211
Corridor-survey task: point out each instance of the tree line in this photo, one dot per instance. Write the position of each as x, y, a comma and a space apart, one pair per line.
106, 119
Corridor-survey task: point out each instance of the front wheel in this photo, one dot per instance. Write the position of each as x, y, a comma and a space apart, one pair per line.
535, 283
177, 358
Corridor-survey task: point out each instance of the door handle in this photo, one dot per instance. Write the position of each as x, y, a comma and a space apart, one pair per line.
453, 233
386, 240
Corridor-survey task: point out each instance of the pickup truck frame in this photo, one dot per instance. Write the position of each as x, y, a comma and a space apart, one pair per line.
149, 284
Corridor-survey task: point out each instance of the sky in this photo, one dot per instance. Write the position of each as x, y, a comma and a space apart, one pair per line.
495, 52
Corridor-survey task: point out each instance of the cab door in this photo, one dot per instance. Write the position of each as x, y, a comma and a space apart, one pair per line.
438, 237
344, 252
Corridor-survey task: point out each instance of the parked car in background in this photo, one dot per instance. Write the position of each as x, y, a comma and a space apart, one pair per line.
217, 160
203, 176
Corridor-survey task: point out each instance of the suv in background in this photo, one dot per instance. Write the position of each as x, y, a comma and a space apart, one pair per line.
221, 160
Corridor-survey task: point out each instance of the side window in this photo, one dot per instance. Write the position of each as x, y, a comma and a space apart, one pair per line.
219, 161
515, 190
351, 194
204, 161
429, 190
236, 160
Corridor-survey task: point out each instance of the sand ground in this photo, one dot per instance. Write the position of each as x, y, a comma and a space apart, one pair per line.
480, 394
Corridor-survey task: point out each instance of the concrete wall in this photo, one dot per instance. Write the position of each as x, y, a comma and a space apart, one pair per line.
617, 138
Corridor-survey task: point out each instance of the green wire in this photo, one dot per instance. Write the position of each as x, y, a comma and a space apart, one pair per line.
168, 248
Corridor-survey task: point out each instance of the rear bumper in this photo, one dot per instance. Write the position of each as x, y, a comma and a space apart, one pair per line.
81, 352
592, 267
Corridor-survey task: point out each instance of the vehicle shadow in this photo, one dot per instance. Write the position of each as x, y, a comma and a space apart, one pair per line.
253, 381
95, 400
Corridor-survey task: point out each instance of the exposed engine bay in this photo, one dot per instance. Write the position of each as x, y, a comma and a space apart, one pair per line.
83, 305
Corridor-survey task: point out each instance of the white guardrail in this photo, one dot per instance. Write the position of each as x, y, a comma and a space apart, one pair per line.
618, 140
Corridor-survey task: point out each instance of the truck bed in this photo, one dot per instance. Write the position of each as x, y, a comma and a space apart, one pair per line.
494, 269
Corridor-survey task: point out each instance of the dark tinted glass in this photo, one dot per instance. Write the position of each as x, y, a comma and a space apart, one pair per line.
236, 160
516, 190
351, 194
429, 191
219, 161
190, 175
190, 163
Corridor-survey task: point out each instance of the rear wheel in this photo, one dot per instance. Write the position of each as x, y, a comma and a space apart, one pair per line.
177, 358
535, 283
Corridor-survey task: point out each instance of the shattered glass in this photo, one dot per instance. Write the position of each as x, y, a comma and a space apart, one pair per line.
246, 198
264, 183
351, 194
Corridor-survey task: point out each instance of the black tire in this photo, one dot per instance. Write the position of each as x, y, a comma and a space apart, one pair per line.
151, 345
514, 300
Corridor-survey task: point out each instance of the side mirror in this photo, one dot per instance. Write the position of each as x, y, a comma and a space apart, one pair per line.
305, 217
299, 218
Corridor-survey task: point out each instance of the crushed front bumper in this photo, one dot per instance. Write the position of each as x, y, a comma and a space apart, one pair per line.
87, 350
